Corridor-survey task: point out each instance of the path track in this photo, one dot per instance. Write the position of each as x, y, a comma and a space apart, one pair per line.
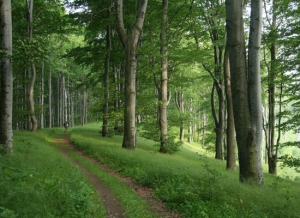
110, 202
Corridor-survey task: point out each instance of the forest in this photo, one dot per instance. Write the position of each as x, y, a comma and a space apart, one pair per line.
221, 75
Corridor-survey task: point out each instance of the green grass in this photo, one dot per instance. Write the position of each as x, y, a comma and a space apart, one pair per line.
38, 181
189, 181
134, 206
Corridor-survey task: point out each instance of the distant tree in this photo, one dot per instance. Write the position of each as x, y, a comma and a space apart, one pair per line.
6, 76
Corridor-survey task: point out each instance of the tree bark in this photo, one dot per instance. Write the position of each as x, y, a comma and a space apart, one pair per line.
163, 120
254, 86
42, 96
32, 118
50, 100
129, 43
106, 83
230, 131
247, 107
271, 147
6, 133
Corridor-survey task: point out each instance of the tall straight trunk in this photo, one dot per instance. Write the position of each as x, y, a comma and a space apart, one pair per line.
106, 83
129, 43
6, 76
219, 120
271, 147
163, 119
84, 112
50, 100
66, 114
230, 142
254, 86
58, 103
246, 105
204, 122
42, 96
179, 102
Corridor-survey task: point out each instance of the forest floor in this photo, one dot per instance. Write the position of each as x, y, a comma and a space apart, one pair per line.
110, 202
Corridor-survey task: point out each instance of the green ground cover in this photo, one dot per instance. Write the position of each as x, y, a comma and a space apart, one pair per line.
38, 181
189, 181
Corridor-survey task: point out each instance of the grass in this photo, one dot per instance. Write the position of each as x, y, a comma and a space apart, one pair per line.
134, 206
37, 181
189, 181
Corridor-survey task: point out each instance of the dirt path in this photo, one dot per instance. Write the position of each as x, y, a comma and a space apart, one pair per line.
111, 203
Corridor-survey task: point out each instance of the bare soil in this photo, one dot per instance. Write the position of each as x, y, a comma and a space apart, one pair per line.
111, 203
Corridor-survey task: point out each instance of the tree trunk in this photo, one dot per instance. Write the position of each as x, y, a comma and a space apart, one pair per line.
33, 120
230, 157
271, 150
247, 108
50, 100
179, 101
42, 96
130, 43
6, 133
219, 121
106, 83
84, 112
163, 119
254, 85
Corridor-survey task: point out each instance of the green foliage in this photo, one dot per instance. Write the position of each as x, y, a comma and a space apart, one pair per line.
195, 185
37, 181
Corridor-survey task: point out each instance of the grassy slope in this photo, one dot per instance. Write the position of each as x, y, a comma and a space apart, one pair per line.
38, 181
190, 182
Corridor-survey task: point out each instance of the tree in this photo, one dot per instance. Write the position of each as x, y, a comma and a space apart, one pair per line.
6, 133
31, 69
129, 43
246, 91
230, 131
163, 117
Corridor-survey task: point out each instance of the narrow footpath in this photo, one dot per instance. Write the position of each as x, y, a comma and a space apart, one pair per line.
110, 202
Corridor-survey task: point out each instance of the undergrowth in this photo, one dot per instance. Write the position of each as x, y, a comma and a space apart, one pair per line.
191, 183
37, 181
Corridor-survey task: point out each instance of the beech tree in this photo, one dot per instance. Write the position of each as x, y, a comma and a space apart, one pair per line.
163, 117
6, 76
246, 91
129, 42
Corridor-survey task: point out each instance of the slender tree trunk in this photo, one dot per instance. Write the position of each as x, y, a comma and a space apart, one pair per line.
50, 100
106, 83
179, 101
204, 121
219, 121
33, 120
6, 76
129, 43
42, 97
163, 119
230, 142
271, 150
85, 102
